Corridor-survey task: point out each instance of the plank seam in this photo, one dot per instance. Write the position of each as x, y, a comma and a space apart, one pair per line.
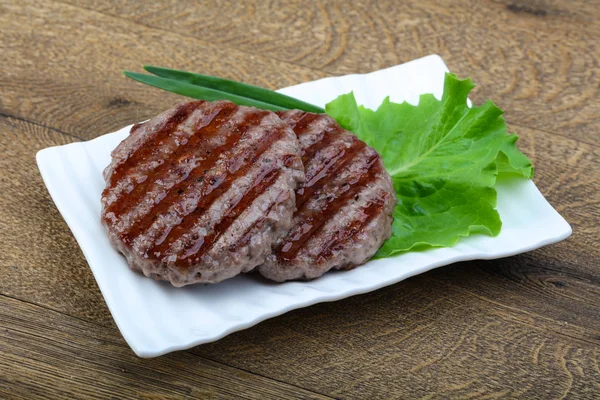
189, 351
23, 119
517, 313
222, 45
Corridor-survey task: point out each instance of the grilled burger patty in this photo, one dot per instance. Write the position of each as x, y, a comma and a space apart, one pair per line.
344, 208
201, 192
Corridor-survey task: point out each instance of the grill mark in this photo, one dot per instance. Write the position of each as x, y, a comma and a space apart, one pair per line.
289, 160
245, 240
369, 211
312, 223
134, 128
213, 192
300, 126
182, 114
333, 166
325, 139
203, 245
145, 222
291, 117
288, 116
206, 128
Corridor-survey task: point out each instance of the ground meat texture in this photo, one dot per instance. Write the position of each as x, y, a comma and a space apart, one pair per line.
344, 208
201, 192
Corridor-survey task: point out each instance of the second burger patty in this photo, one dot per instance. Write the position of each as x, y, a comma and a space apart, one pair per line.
344, 209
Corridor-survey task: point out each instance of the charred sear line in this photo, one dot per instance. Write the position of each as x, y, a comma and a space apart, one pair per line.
188, 152
205, 186
258, 224
339, 238
197, 247
199, 193
237, 167
330, 169
310, 223
170, 126
320, 143
291, 117
302, 124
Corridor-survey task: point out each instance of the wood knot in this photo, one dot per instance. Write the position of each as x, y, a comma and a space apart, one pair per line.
119, 102
559, 284
519, 8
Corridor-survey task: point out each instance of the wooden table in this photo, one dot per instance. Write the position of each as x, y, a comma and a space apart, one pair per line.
522, 327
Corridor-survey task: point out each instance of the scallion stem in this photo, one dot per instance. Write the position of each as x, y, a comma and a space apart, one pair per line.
199, 92
235, 88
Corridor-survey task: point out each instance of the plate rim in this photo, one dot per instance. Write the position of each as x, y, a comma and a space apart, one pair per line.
43, 159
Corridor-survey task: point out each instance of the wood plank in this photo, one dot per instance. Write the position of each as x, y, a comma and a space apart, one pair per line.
526, 326
49, 355
537, 60
567, 173
69, 76
413, 340
416, 334
560, 281
523, 282
369, 346
50, 269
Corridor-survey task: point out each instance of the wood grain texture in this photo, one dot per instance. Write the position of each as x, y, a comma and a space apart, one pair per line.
71, 70
49, 355
561, 281
415, 340
534, 58
51, 262
512, 308
521, 327
366, 346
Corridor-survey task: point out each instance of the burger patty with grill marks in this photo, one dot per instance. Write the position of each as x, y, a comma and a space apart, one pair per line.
202, 192
344, 208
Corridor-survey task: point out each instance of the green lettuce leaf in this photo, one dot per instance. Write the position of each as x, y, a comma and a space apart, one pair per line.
444, 159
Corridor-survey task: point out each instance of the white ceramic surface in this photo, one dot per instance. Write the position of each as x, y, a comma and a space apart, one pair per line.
156, 318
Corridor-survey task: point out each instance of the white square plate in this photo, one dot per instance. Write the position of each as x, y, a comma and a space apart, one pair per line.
156, 318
